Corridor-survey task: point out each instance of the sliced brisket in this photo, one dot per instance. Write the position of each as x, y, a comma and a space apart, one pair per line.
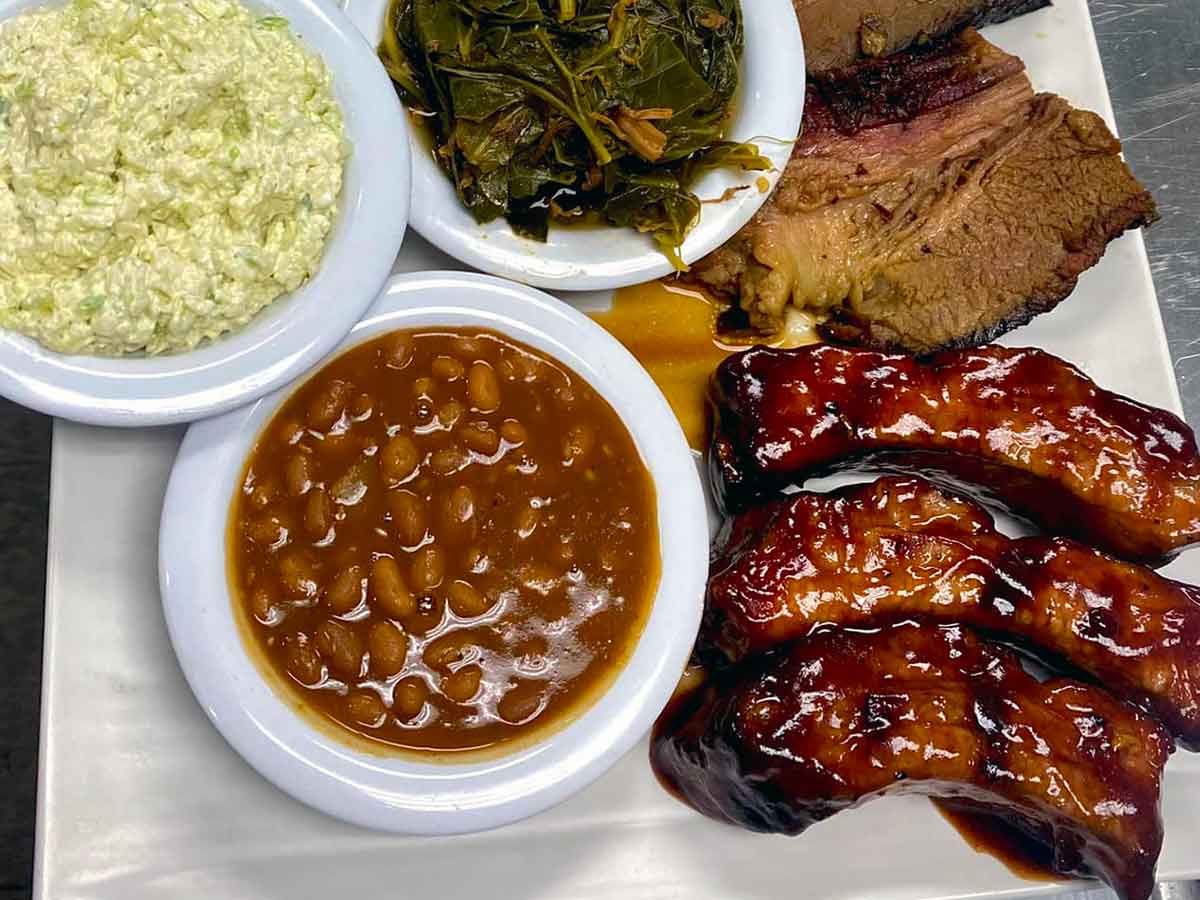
933, 201
838, 33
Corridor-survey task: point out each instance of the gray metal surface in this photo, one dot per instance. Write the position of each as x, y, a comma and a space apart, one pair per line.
1151, 51
1178, 890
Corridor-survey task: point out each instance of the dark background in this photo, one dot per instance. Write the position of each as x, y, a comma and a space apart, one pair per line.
24, 491
1151, 52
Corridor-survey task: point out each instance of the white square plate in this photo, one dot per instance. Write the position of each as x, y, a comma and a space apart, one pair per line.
141, 798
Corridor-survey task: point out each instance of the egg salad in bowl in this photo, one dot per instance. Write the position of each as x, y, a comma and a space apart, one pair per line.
198, 200
167, 170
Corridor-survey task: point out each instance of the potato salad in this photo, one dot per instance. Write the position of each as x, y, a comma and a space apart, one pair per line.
167, 170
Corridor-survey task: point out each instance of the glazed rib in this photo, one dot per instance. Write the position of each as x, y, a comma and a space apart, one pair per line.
932, 201
846, 717
900, 547
840, 32
1030, 428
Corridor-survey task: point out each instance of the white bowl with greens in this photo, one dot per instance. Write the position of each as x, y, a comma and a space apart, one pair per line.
639, 141
195, 209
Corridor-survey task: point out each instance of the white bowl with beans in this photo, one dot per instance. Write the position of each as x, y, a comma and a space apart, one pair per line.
399, 791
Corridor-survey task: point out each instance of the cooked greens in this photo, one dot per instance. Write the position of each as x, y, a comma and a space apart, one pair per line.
574, 109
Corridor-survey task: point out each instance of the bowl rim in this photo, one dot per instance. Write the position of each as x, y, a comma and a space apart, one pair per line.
606, 258
294, 331
397, 792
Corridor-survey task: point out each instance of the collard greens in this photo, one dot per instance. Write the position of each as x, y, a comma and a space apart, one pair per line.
574, 109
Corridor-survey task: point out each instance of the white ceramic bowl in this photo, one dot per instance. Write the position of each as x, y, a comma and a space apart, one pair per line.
768, 111
397, 793
297, 330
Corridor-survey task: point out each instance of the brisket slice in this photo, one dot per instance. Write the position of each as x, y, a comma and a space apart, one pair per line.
838, 33
933, 201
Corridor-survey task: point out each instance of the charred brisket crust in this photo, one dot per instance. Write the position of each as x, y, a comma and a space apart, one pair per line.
942, 18
996, 13
900, 87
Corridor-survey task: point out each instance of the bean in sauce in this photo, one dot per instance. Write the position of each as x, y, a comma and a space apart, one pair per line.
444, 541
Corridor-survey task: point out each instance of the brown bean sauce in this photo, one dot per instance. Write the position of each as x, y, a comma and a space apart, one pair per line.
444, 541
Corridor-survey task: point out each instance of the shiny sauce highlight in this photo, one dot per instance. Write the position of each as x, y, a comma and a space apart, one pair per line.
676, 333
444, 541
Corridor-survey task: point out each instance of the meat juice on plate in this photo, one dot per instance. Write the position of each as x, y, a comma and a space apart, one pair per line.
675, 331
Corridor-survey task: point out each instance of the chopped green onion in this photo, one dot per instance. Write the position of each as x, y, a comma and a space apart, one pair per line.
250, 257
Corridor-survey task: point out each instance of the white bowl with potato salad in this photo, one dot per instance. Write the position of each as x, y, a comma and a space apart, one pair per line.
197, 200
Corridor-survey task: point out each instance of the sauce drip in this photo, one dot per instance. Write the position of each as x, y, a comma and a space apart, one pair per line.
990, 834
689, 693
674, 331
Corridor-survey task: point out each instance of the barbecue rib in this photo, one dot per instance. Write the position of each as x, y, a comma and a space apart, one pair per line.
1030, 429
845, 717
900, 548
933, 200
840, 32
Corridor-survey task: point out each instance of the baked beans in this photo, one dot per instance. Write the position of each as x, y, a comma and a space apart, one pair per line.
445, 540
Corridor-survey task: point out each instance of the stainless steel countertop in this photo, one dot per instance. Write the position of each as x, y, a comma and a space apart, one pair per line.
1151, 51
